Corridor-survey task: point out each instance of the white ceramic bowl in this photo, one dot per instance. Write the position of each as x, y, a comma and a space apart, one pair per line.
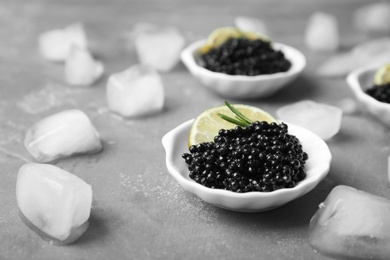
244, 87
362, 79
317, 167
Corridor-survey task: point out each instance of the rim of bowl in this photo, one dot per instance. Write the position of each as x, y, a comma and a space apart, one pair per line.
354, 82
168, 142
297, 59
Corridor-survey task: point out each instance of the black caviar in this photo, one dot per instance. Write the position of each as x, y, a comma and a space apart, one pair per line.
260, 157
380, 93
245, 57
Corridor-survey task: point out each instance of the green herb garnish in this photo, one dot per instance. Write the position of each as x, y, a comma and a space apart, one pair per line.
240, 119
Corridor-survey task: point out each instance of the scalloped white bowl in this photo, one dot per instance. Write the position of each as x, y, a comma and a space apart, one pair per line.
244, 87
362, 79
317, 167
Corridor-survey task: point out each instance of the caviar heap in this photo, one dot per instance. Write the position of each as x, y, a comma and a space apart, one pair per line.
380, 93
240, 56
260, 157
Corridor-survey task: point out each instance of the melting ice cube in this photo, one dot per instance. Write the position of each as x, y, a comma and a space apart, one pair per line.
322, 33
60, 135
373, 18
321, 119
372, 50
370, 53
81, 69
138, 28
349, 106
55, 45
352, 224
141, 28
53, 201
137, 91
388, 171
250, 24
159, 49
338, 65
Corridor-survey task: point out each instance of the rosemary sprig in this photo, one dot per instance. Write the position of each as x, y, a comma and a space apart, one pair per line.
238, 113
240, 120
232, 120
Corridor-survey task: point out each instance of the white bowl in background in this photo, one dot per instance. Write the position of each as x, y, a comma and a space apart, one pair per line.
244, 87
359, 81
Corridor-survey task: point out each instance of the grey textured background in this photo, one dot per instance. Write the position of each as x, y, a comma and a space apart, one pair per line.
139, 211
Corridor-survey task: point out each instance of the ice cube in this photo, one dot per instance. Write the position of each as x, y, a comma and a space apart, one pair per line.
138, 28
61, 135
370, 53
370, 50
55, 45
338, 65
53, 201
159, 49
352, 224
322, 33
373, 18
251, 24
372, 47
388, 171
137, 91
141, 28
323, 120
349, 106
81, 69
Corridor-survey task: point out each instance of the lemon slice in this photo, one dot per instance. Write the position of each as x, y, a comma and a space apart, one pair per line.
221, 35
382, 75
207, 125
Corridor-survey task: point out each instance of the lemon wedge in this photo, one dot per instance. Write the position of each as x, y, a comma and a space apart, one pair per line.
382, 75
221, 35
207, 125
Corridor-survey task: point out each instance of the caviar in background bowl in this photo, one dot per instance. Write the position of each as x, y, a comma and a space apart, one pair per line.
381, 88
245, 65
240, 54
